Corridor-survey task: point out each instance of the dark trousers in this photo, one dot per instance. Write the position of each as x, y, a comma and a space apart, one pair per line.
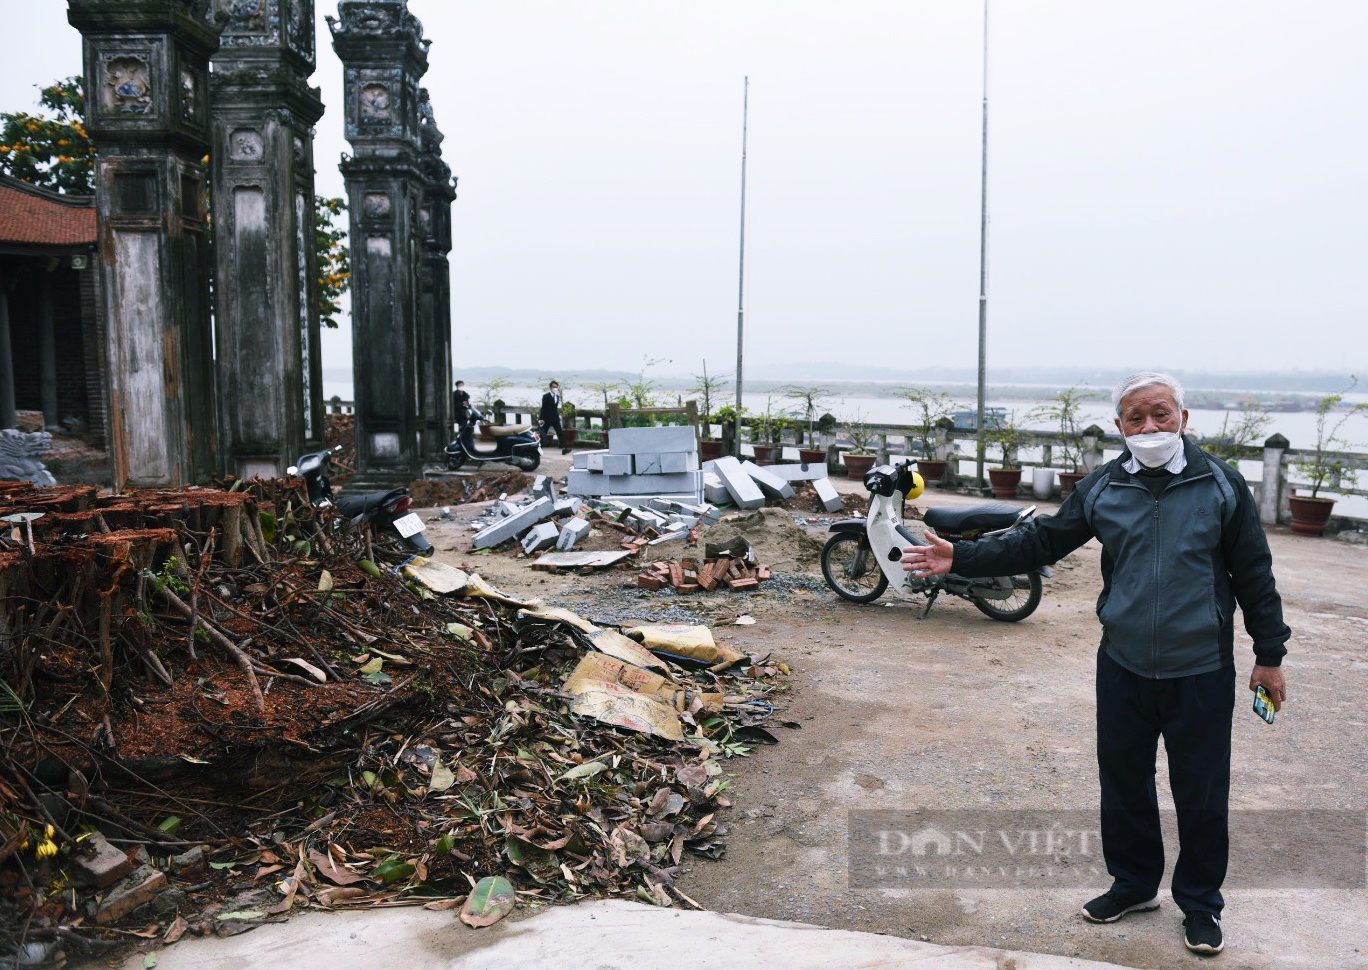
1193, 715
548, 426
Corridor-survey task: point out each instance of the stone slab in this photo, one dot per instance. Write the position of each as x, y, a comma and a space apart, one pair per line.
136, 890
543, 485
769, 484
714, 491
653, 484
804, 472
610, 464
666, 463
581, 458
541, 536
635, 441
827, 494
514, 525
745, 494
575, 530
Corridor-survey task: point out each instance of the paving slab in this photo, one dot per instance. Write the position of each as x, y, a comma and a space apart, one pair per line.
633, 441
600, 935
769, 484
745, 494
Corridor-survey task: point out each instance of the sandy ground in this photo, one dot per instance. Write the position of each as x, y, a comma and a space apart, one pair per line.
959, 712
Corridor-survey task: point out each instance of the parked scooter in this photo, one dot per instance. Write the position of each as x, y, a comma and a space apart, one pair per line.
386, 512
863, 556
516, 445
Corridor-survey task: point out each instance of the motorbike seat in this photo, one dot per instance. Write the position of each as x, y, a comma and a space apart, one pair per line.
977, 518
354, 505
504, 430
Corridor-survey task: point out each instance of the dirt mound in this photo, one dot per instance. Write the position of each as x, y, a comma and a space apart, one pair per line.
431, 492
779, 542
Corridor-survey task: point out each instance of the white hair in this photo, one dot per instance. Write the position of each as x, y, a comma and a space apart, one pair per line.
1142, 380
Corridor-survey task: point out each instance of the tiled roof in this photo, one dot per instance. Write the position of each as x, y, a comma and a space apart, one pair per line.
34, 217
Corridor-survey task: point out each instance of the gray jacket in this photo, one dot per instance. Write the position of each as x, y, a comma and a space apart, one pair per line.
1173, 567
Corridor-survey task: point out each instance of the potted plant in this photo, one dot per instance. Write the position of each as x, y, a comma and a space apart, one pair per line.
809, 400
1325, 466
568, 427
709, 390
929, 409
1236, 437
766, 430
1008, 436
859, 459
731, 421
1064, 411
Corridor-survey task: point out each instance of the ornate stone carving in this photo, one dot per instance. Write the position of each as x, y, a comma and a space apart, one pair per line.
376, 104
376, 205
128, 85
245, 145
189, 97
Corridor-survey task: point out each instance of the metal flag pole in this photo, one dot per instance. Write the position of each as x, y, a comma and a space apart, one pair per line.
983, 267
741, 284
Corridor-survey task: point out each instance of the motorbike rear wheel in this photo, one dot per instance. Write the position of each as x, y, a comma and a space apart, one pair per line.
526, 464
1027, 590
455, 461
851, 568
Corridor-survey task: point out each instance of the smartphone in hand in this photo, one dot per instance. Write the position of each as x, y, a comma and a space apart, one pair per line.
1263, 704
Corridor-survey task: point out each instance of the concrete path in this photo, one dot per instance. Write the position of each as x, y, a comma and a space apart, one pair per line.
602, 935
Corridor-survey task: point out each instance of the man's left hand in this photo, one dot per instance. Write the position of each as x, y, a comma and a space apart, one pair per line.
1273, 681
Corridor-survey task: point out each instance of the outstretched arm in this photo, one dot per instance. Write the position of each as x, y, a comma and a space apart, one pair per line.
933, 560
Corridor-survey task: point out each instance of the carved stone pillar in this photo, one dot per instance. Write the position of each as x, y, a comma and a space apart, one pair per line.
384, 55
147, 73
270, 380
434, 284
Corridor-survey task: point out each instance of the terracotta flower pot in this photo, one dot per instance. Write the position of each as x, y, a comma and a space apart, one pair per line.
1309, 515
858, 466
709, 449
571, 436
1005, 481
812, 456
932, 472
1067, 481
764, 454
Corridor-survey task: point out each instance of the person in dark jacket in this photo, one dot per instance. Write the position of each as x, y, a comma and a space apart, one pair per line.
460, 405
1181, 546
551, 415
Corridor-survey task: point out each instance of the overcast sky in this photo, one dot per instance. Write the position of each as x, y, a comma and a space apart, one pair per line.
1179, 183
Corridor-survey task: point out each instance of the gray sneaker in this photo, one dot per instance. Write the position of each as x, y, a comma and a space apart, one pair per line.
1109, 907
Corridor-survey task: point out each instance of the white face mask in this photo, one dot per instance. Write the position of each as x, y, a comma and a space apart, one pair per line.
1156, 449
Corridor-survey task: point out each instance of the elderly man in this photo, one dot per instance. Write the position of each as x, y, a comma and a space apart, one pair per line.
1181, 545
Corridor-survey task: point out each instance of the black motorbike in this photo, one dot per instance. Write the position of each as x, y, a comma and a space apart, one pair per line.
516, 445
388, 513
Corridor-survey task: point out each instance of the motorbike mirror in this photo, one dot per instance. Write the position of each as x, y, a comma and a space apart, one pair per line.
292, 470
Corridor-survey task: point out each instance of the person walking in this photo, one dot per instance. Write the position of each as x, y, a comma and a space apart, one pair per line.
1181, 546
551, 415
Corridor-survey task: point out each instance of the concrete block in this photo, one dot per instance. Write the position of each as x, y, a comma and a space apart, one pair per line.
639, 500
635, 441
504, 508
106, 866
652, 484
581, 482
543, 485
515, 525
666, 463
581, 459
771, 486
644, 518
570, 505
805, 472
609, 464
830, 498
575, 530
745, 494
539, 537
714, 491
136, 890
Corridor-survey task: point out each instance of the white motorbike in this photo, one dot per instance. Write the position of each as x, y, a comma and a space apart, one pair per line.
863, 557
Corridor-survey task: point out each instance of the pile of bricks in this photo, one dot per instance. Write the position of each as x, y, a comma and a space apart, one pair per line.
687, 576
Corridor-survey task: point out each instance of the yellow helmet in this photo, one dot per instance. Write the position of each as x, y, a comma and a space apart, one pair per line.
918, 486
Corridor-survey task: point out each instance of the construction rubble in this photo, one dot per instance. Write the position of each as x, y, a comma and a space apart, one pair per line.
220, 706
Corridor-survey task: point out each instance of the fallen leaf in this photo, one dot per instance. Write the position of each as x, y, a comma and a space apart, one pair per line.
587, 770
490, 901
442, 777
329, 869
325, 582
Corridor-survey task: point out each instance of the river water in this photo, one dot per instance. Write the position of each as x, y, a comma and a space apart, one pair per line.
1298, 427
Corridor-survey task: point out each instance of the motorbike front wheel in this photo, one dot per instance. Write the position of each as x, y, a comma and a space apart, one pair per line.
851, 569
526, 463
1020, 603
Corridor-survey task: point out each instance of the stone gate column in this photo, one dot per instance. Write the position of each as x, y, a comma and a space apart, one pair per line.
434, 285
147, 73
384, 55
266, 325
